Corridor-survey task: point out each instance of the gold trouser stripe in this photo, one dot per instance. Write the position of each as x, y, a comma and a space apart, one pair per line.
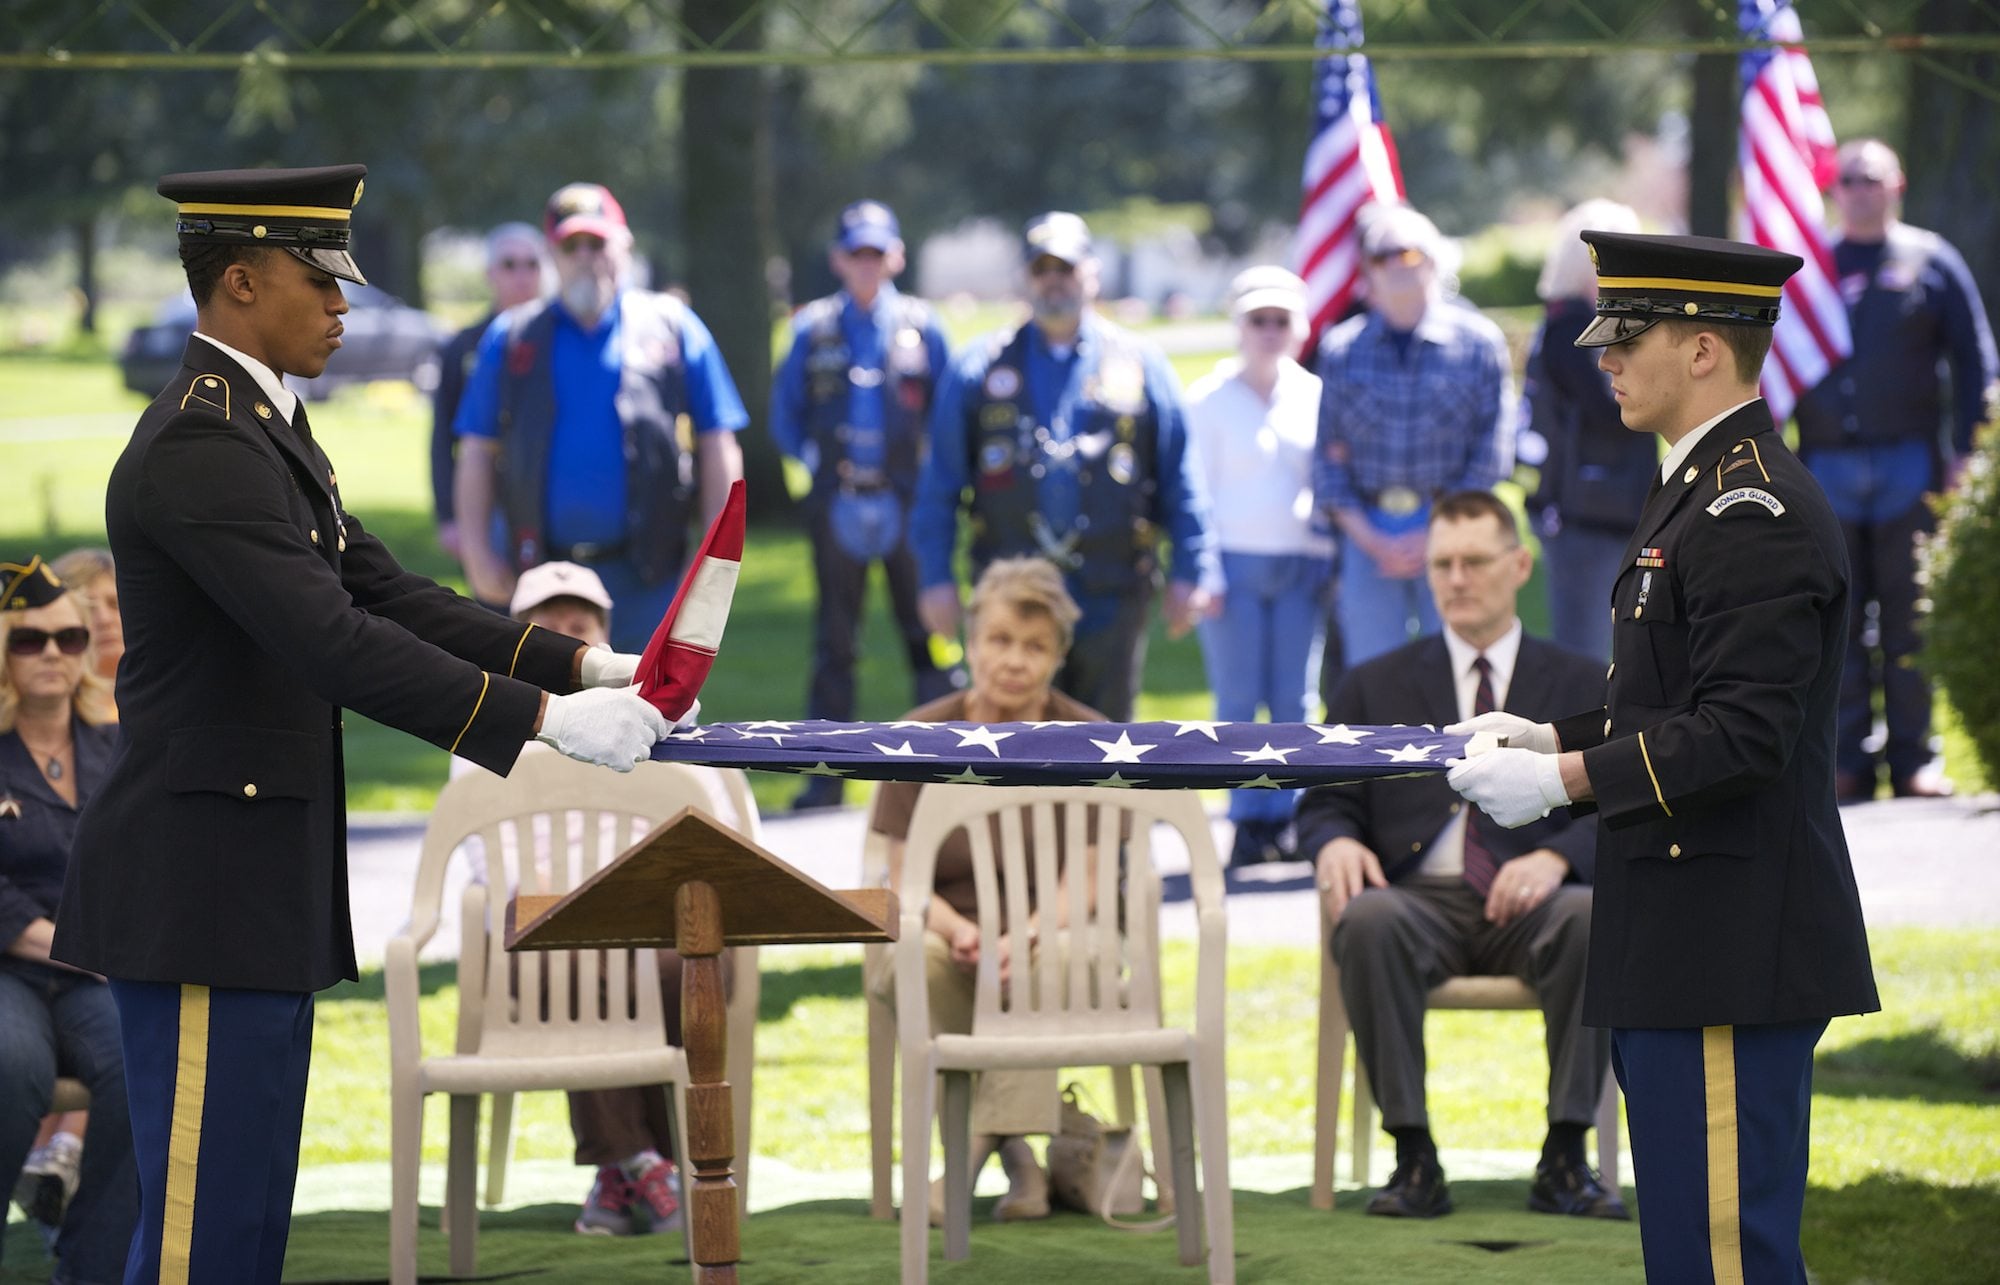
1653, 776
332, 212
517, 650
1679, 283
184, 1140
1725, 1226
485, 681
1760, 459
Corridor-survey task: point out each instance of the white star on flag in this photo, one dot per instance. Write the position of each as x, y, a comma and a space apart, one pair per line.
1265, 755
821, 769
984, 737
856, 730
1054, 723
1122, 750
692, 734
1202, 725
1410, 754
1339, 734
1118, 782
904, 750
967, 777
766, 722
776, 738
909, 722
1261, 783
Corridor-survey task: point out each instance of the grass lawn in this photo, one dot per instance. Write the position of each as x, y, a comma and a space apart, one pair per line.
1906, 1155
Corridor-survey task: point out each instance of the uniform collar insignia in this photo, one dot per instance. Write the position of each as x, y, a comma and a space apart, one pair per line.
10, 808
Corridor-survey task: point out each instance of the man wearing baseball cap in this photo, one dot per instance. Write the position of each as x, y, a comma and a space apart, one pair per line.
850, 403
1069, 436
1726, 930
208, 880
616, 418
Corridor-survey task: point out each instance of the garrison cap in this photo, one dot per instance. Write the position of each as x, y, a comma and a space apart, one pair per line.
304, 212
1058, 235
1643, 280
28, 584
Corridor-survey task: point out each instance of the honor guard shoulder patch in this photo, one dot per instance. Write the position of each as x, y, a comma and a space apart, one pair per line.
1747, 495
210, 390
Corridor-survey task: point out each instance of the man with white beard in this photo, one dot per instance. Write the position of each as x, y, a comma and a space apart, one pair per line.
595, 423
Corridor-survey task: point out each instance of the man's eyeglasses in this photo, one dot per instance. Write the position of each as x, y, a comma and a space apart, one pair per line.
516, 265
1049, 265
1408, 257
32, 642
1269, 320
1860, 180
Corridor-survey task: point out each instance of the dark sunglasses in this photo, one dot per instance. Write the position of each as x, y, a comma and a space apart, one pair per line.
1409, 257
32, 642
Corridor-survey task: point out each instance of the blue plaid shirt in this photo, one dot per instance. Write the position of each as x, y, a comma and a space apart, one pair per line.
1437, 419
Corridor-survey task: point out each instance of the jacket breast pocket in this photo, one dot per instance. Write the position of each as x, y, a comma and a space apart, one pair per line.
1681, 839
242, 803
246, 763
1649, 641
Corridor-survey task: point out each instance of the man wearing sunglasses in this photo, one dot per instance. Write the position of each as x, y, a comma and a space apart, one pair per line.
1414, 402
1066, 438
209, 877
515, 265
597, 424
1879, 433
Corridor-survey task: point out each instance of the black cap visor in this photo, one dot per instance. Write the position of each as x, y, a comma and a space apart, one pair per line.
338, 262
1606, 331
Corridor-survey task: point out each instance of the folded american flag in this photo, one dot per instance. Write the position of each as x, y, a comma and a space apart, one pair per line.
1173, 755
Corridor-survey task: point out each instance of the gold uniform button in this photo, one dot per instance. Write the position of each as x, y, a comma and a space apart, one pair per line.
315, 535
343, 544
250, 790
1609, 672
1691, 474
1416, 847
1607, 727
1638, 612
1454, 809
1674, 851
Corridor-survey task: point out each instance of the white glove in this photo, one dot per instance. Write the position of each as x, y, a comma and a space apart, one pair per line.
603, 667
1513, 731
610, 727
1512, 786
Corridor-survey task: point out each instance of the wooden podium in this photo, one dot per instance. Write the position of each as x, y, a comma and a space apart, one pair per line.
697, 886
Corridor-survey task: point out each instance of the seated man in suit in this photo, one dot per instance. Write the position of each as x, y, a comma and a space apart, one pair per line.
1422, 889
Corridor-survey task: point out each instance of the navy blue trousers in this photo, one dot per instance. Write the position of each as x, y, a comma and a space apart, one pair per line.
217, 1084
1720, 1119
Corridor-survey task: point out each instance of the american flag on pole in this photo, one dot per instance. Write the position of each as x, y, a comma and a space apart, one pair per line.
1786, 158
1184, 754
1350, 161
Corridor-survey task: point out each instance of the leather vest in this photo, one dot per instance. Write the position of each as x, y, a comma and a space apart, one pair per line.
1112, 444
856, 459
652, 414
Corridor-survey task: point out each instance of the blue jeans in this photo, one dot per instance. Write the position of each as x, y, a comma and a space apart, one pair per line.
636, 607
55, 1022
1583, 563
1263, 650
1378, 614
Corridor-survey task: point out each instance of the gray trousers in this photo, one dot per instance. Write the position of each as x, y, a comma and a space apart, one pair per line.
1394, 944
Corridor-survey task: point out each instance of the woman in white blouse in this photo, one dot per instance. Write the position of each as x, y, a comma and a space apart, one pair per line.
1252, 422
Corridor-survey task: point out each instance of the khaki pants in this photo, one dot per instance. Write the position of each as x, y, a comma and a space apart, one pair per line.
1004, 1103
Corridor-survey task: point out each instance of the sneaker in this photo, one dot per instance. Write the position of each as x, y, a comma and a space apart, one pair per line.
607, 1210
48, 1179
657, 1193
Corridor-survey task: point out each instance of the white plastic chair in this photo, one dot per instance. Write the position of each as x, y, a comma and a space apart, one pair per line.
1094, 1003
882, 1062
544, 828
1458, 992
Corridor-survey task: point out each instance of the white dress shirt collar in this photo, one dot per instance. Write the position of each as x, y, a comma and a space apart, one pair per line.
1685, 447
1500, 655
283, 399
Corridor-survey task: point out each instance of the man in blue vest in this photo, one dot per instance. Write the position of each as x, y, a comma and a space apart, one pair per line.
1878, 433
594, 422
850, 403
1066, 438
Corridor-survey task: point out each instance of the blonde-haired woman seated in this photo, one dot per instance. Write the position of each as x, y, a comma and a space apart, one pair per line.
1018, 630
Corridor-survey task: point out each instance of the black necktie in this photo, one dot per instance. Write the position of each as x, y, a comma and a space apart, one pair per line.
1479, 865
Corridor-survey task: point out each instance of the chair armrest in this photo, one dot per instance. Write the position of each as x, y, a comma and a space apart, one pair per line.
472, 964
400, 985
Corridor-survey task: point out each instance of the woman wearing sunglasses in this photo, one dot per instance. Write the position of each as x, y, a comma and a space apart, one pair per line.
1252, 422
57, 741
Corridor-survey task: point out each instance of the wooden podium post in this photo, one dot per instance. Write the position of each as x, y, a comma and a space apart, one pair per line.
697, 886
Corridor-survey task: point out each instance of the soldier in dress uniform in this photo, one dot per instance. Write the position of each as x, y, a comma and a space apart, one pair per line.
1066, 438
849, 403
1727, 929
209, 880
